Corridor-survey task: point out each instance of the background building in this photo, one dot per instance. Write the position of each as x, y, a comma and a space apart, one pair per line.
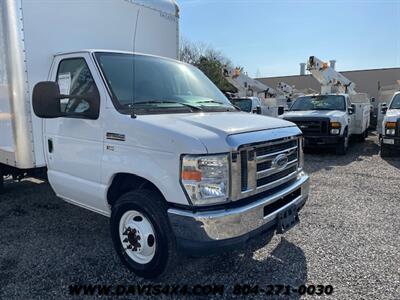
367, 81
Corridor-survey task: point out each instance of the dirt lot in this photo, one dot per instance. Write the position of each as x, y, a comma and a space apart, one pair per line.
348, 237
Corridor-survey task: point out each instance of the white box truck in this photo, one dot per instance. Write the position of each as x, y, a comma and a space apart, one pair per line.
141, 138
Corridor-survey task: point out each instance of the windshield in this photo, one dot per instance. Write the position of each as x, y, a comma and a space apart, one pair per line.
243, 104
150, 84
396, 102
321, 102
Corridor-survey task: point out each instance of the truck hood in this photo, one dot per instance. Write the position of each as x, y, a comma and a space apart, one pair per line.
199, 133
331, 114
392, 115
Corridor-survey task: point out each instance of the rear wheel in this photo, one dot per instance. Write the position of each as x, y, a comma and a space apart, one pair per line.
341, 148
142, 235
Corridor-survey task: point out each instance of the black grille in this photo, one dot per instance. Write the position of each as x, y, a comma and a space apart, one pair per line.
263, 166
398, 128
293, 156
275, 148
312, 127
276, 176
243, 166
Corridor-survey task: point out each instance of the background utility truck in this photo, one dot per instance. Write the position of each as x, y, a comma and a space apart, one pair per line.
248, 104
332, 117
148, 141
389, 134
271, 104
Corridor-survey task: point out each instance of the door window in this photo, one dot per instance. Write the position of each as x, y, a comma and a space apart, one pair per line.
74, 79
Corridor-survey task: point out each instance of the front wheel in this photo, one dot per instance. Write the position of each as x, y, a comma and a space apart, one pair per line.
385, 151
142, 235
363, 136
342, 147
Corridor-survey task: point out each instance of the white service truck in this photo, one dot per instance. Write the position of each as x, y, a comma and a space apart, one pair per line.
329, 119
248, 104
389, 131
145, 140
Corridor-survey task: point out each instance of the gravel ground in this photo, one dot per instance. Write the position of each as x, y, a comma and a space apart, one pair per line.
348, 238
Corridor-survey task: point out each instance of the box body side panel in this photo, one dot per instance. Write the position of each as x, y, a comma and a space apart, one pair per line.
56, 26
17, 148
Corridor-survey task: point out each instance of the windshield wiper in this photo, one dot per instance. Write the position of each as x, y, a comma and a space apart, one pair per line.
326, 109
210, 101
192, 107
220, 103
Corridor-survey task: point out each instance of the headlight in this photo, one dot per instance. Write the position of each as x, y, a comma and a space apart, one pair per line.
390, 131
390, 128
206, 178
335, 128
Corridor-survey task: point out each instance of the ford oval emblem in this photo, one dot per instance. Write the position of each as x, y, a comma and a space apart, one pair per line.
280, 161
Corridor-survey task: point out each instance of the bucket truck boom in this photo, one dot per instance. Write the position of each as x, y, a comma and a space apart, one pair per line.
331, 81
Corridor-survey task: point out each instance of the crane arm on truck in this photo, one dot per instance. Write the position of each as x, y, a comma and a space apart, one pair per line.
288, 91
331, 81
246, 85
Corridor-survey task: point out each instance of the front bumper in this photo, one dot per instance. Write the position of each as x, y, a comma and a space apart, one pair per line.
218, 230
391, 141
328, 140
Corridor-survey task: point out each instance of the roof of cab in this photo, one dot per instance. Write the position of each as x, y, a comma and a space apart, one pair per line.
169, 6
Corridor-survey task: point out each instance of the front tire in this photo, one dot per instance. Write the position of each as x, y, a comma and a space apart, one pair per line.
142, 235
385, 151
363, 136
343, 146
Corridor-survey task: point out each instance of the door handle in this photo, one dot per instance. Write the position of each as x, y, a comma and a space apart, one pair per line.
50, 145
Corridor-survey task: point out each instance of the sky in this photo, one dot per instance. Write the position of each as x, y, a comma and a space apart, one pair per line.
270, 38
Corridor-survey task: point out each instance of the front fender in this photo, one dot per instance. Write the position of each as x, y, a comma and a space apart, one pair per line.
160, 168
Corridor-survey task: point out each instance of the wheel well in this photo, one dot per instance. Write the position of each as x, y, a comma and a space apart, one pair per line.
124, 182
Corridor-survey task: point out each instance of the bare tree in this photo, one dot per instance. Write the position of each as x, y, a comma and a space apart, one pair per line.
209, 60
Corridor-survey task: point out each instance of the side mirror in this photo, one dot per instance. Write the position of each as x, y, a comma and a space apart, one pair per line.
281, 110
352, 109
384, 108
258, 110
46, 100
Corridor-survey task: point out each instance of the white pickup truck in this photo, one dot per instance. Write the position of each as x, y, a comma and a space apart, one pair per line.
389, 132
330, 120
255, 105
145, 140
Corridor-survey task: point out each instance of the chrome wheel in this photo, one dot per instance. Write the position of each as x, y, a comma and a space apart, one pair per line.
137, 236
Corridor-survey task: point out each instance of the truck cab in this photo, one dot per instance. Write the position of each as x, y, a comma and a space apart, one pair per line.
329, 120
389, 134
248, 104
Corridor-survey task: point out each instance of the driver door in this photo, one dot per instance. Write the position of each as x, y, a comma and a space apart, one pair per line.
74, 142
